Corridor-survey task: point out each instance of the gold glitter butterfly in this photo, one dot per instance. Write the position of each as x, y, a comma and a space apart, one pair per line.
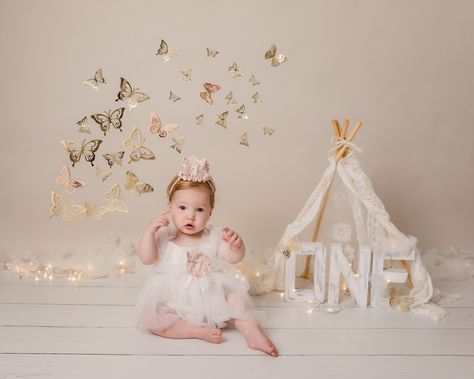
64, 179
254, 81
234, 69
113, 158
87, 149
209, 90
157, 127
173, 97
94, 210
133, 184
276, 58
82, 126
165, 52
102, 174
60, 206
132, 95
256, 98
178, 144
185, 75
222, 119
96, 80
244, 141
230, 98
109, 118
268, 131
116, 204
241, 112
200, 119
135, 143
212, 53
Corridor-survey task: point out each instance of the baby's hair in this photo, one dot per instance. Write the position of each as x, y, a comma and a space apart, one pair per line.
177, 184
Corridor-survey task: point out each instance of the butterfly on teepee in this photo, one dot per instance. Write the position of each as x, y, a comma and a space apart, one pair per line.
222, 119
173, 97
185, 75
254, 81
96, 80
132, 95
276, 58
132, 183
94, 210
244, 141
200, 119
116, 204
241, 112
230, 98
113, 158
209, 90
135, 143
256, 98
102, 174
212, 53
178, 144
82, 126
165, 52
64, 179
109, 118
235, 71
157, 127
268, 131
87, 149
60, 206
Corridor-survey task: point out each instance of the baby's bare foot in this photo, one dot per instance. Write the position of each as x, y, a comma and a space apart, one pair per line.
257, 340
213, 335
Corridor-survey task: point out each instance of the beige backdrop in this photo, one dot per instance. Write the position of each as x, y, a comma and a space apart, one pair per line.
403, 68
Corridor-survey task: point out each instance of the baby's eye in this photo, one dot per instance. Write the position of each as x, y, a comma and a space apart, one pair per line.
182, 207
200, 209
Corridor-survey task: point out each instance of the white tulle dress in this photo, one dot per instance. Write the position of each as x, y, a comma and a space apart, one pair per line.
192, 283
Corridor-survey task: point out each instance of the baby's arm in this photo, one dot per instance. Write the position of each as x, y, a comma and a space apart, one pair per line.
233, 251
148, 251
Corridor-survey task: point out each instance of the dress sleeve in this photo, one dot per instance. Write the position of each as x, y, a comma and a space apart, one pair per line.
162, 238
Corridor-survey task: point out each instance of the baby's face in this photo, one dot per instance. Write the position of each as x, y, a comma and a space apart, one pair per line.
190, 209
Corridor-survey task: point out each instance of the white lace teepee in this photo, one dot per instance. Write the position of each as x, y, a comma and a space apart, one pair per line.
349, 217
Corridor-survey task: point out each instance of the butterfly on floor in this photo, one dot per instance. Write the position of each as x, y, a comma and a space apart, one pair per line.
87, 149
135, 143
96, 80
132, 183
209, 90
113, 158
222, 119
109, 118
64, 180
165, 52
157, 127
60, 206
82, 126
132, 95
276, 58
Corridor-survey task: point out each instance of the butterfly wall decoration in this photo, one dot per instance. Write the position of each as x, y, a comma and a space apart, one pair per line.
86, 149
82, 126
64, 180
113, 158
209, 90
157, 127
165, 52
131, 95
132, 183
276, 58
222, 119
134, 142
109, 118
96, 80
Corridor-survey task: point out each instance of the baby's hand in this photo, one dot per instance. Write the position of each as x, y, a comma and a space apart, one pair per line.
158, 222
232, 238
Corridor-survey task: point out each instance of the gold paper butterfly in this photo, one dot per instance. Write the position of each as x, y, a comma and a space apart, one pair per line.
102, 174
109, 118
82, 126
268, 131
186, 75
178, 144
200, 119
157, 127
165, 52
256, 98
210, 89
405, 302
87, 149
212, 53
222, 119
234, 69
116, 204
96, 80
113, 158
230, 98
241, 112
133, 184
93, 210
64, 179
173, 97
276, 58
244, 139
59, 206
254, 80
130, 94
135, 143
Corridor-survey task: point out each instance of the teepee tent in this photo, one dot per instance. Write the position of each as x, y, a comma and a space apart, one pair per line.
346, 213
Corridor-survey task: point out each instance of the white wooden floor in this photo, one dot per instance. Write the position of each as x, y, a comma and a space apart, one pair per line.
84, 330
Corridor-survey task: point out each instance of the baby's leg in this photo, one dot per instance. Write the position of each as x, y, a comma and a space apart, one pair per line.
256, 338
181, 329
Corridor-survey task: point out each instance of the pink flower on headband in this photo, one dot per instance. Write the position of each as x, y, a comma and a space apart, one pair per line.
194, 170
